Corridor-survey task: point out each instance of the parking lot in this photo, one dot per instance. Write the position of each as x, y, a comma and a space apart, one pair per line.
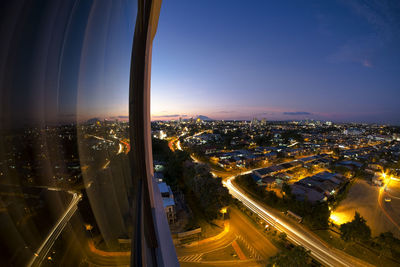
364, 198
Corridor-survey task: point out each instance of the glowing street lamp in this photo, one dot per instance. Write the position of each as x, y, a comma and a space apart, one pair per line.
89, 228
223, 211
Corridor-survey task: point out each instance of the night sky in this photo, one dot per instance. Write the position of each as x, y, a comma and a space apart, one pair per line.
279, 60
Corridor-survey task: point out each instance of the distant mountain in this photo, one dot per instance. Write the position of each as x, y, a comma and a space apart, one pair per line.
93, 121
203, 118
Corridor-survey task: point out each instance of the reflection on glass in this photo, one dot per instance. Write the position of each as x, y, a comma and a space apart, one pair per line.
65, 185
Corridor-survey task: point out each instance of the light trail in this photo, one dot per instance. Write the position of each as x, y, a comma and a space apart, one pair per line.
106, 165
121, 149
128, 146
382, 191
321, 252
171, 145
47, 244
195, 160
178, 145
318, 250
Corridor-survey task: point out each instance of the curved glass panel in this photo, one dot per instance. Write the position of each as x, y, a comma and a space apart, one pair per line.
65, 184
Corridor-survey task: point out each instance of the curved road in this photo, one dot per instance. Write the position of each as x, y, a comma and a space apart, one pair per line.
241, 230
320, 251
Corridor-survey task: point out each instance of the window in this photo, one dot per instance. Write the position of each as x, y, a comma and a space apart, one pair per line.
71, 187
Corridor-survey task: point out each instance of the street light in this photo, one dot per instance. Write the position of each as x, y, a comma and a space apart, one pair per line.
89, 228
223, 211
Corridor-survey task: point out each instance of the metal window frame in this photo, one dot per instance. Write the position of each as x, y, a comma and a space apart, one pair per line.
151, 241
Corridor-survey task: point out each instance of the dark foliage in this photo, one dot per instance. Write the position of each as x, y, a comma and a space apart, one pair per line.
296, 257
356, 230
195, 180
314, 215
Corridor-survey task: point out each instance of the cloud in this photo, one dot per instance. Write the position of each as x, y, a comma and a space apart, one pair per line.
297, 113
358, 50
367, 63
169, 116
123, 117
225, 111
383, 17
266, 113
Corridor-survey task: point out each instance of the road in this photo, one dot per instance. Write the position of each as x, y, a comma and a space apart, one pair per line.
175, 142
171, 144
258, 248
57, 229
42, 251
244, 228
122, 143
295, 233
383, 193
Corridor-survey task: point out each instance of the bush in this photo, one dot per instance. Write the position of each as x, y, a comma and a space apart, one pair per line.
356, 230
297, 256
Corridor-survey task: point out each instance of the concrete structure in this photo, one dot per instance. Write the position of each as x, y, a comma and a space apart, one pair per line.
168, 202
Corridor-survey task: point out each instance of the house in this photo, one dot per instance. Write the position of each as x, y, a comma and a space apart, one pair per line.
264, 172
302, 192
168, 202
159, 177
318, 187
349, 164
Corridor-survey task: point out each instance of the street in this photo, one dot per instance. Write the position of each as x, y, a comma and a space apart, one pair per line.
257, 246
295, 233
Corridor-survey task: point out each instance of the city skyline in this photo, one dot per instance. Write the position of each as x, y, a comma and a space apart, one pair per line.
187, 133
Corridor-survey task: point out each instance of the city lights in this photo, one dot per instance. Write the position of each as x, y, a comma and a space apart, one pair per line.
249, 135
336, 219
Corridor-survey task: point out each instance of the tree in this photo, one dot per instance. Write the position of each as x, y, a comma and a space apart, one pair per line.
160, 148
356, 230
286, 189
282, 236
389, 244
320, 214
291, 134
263, 140
208, 193
296, 257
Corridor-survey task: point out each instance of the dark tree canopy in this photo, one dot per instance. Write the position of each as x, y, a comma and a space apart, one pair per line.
296, 257
314, 215
195, 180
356, 230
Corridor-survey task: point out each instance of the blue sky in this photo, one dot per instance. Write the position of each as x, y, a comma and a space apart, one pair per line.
333, 60
279, 60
